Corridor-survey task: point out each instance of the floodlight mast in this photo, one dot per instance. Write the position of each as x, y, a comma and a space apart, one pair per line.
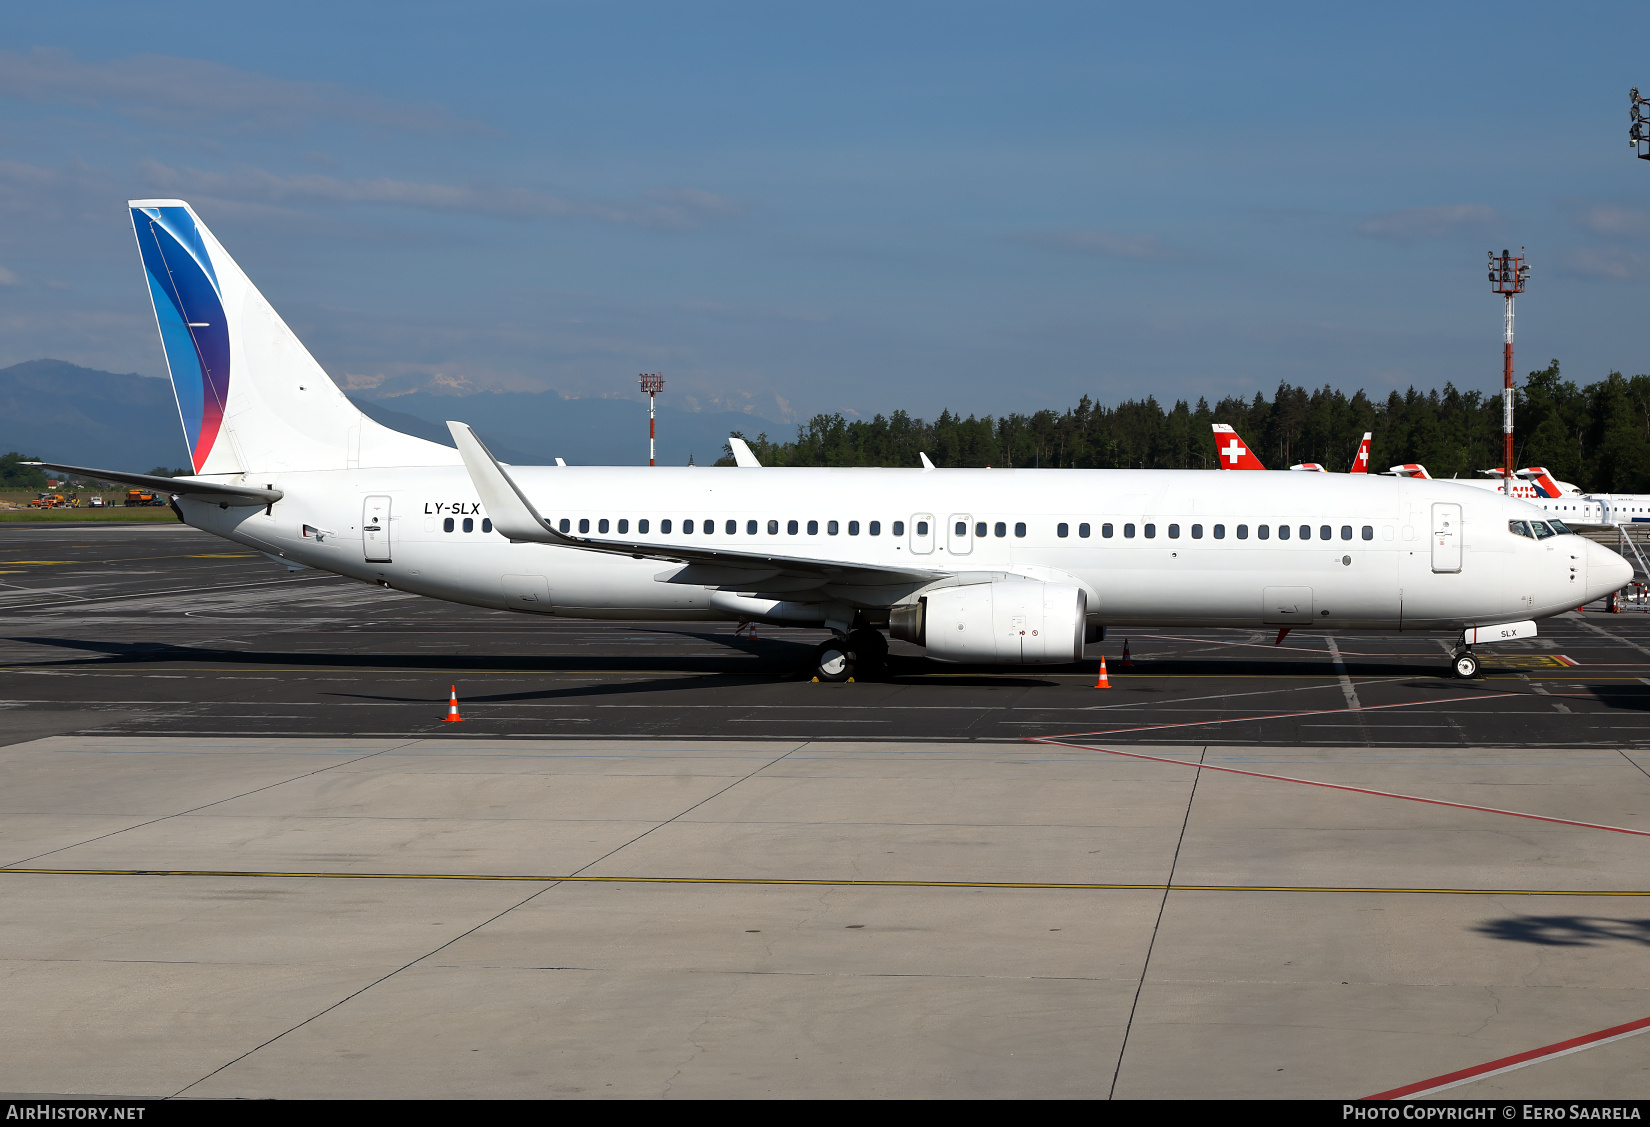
1638, 134
1507, 277
653, 384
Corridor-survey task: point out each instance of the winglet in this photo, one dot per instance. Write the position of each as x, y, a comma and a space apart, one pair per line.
742, 456
926, 464
513, 514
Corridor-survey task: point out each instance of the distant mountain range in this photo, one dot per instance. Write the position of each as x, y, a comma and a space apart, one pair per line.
60, 411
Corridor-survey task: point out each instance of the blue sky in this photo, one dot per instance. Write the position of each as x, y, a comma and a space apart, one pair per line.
845, 207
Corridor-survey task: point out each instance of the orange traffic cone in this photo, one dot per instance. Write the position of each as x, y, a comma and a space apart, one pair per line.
1127, 664
1103, 682
452, 707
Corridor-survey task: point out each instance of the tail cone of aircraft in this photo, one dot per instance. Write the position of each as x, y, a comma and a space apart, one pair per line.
1102, 682
452, 708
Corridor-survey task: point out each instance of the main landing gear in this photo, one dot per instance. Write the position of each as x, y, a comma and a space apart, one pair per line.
1464, 664
863, 653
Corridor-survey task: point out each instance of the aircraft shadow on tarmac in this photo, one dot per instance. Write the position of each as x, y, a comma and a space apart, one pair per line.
779, 658
767, 660
1567, 931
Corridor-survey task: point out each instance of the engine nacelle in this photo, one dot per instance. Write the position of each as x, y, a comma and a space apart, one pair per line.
1013, 622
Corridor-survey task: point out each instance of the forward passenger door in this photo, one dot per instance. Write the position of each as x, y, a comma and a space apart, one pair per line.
960, 541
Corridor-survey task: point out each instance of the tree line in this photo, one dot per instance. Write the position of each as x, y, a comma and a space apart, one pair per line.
1597, 436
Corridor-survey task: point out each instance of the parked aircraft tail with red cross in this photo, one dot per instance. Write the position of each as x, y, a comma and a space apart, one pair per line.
1234, 452
1360, 462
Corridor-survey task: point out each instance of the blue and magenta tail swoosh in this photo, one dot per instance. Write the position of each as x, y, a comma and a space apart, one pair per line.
193, 328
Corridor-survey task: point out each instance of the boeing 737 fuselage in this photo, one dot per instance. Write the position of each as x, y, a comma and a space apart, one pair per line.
975, 566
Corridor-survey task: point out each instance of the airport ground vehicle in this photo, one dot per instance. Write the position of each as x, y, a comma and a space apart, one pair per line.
976, 566
143, 497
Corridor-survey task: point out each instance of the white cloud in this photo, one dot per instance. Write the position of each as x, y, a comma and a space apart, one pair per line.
1610, 219
667, 209
1102, 244
7, 278
1428, 222
184, 92
1609, 263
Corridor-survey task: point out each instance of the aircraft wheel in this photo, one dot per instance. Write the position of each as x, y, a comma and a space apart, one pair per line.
833, 661
1465, 665
869, 650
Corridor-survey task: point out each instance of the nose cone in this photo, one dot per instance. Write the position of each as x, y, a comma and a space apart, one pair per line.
1606, 571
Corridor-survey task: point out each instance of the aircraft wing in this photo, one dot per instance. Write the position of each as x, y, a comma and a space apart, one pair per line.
218, 493
516, 517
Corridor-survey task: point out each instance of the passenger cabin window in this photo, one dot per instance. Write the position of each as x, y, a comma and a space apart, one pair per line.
773, 528
1001, 529
1369, 532
790, 528
447, 525
1323, 532
1151, 532
642, 526
1105, 530
1128, 531
874, 528
1174, 532
584, 524
1220, 532
1020, 529
1197, 532
731, 528
664, 527
470, 524
831, 527
624, 526
750, 528
486, 524
853, 528
1346, 532
1283, 532
1083, 531
979, 529
1062, 530
813, 528
687, 528
1306, 533
1243, 532
1262, 531
899, 528
601, 525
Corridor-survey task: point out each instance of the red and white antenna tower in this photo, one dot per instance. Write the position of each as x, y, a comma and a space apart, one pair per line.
1507, 277
653, 384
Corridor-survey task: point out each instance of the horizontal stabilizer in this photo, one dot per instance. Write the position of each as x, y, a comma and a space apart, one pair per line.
192, 488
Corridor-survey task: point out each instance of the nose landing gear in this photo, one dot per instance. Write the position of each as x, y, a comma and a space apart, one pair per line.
1464, 664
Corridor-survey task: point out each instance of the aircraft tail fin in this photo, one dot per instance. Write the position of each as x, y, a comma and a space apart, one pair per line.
249, 394
1543, 481
1234, 452
1360, 463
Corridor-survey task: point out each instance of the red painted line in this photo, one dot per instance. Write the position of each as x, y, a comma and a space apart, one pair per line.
1340, 786
1287, 715
1517, 1060
1567, 660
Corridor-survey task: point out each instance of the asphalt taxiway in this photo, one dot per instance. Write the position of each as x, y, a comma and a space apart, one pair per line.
241, 854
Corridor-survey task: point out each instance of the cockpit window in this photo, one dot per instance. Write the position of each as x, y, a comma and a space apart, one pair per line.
1520, 528
1561, 528
1541, 529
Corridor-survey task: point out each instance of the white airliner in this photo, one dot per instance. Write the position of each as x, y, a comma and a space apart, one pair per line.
976, 566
